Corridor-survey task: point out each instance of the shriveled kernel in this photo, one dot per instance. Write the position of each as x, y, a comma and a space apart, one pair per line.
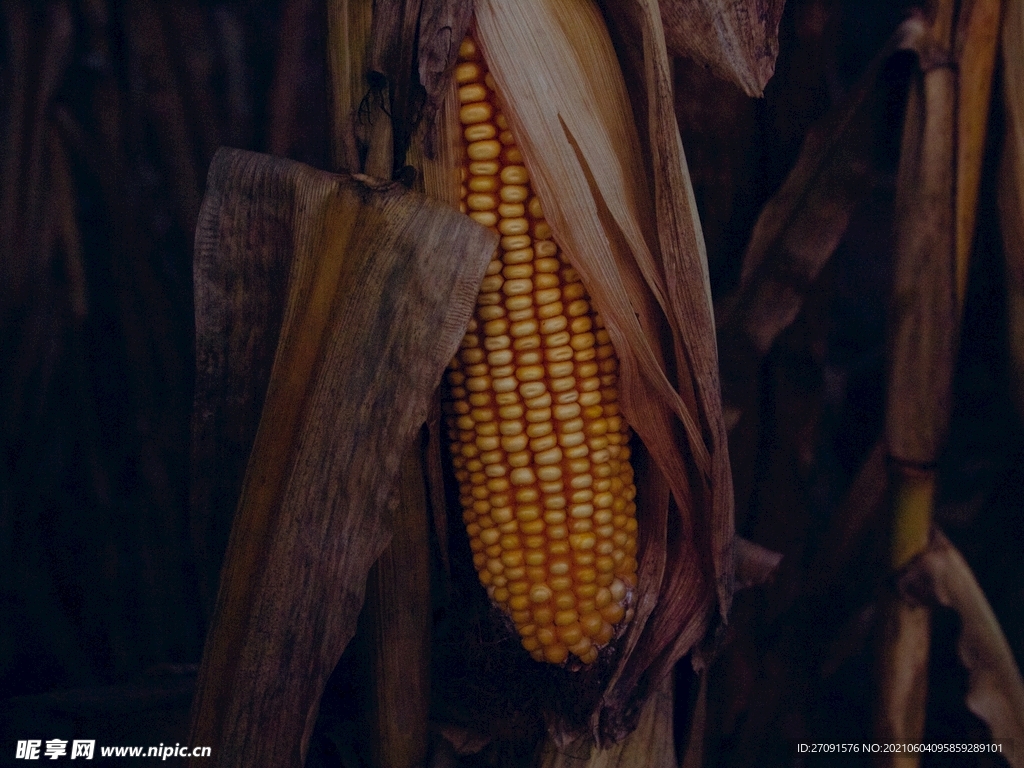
611, 613
479, 132
538, 415
476, 113
572, 636
488, 149
517, 287
556, 654
515, 174
516, 242
517, 226
514, 193
472, 93
517, 271
535, 558
510, 210
468, 71
527, 342
522, 255
484, 168
564, 601
522, 476
484, 218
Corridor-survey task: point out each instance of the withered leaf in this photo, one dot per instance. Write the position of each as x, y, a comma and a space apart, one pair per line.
995, 688
737, 39
1011, 192
381, 283
922, 312
802, 224
977, 38
650, 745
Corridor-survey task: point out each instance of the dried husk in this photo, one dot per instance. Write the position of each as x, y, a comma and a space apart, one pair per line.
1011, 192
650, 745
995, 690
737, 39
620, 204
977, 37
797, 232
395, 630
380, 284
348, 30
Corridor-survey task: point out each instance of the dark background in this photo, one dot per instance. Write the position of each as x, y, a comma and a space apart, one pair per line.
109, 114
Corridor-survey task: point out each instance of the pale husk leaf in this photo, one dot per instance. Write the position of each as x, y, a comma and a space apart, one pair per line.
380, 284
651, 745
737, 39
638, 248
1011, 191
995, 690
977, 40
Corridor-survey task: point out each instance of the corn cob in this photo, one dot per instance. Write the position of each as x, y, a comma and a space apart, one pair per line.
540, 450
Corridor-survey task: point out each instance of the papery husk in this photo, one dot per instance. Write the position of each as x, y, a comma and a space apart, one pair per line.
650, 745
395, 630
923, 325
413, 45
1011, 193
737, 39
995, 689
796, 234
621, 207
348, 30
975, 44
380, 283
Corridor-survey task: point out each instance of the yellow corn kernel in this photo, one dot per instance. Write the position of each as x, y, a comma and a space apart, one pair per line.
539, 444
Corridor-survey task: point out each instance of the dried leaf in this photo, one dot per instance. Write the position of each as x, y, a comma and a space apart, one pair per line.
995, 688
922, 313
395, 625
651, 745
737, 39
393, 57
381, 286
754, 564
801, 226
348, 34
1011, 192
442, 28
977, 36
295, 18
902, 670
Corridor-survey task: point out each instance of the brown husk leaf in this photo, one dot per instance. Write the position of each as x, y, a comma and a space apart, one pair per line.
737, 39
650, 745
922, 315
995, 690
380, 285
977, 37
414, 45
1011, 193
621, 207
804, 221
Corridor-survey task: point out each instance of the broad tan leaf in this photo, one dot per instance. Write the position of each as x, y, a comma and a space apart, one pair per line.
651, 745
1011, 192
737, 39
381, 283
995, 688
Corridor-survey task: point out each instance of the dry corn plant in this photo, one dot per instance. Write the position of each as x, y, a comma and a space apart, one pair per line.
937, 190
567, 507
